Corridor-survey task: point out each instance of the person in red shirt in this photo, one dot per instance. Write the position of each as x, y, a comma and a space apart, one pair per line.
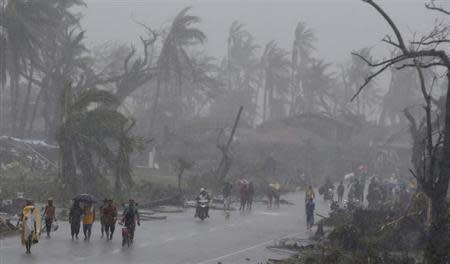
243, 191
49, 216
109, 217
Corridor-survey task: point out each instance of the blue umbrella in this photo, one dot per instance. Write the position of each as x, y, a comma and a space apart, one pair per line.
85, 197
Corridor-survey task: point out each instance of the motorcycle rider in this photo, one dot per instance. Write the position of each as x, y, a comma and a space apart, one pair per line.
130, 218
204, 195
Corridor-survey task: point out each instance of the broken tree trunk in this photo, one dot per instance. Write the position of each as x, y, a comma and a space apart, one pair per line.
225, 162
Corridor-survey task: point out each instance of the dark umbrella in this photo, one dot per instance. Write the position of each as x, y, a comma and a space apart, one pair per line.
84, 197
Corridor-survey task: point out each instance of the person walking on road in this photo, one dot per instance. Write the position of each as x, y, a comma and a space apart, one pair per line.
109, 214
309, 194
243, 193
131, 218
102, 219
251, 193
310, 206
49, 216
88, 220
340, 191
30, 223
226, 193
75, 218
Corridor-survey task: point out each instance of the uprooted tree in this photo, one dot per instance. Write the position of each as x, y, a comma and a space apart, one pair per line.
433, 173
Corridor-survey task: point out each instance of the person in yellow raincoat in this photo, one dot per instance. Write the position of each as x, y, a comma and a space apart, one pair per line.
30, 226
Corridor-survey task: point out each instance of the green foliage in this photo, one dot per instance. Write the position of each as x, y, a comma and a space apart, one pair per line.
94, 139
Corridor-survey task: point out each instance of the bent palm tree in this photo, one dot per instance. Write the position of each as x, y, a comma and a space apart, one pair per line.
94, 140
174, 58
26, 26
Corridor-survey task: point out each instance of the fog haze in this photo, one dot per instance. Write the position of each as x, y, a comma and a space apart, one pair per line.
340, 25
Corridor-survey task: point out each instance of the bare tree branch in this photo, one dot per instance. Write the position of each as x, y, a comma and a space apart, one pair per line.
421, 65
397, 33
432, 6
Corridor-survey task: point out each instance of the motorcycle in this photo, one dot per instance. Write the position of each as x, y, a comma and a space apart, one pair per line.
126, 237
202, 209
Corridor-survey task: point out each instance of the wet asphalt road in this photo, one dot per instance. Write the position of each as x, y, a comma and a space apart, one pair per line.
180, 239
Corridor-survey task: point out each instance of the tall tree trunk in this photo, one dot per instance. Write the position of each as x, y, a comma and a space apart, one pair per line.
154, 112
25, 107
14, 93
33, 113
438, 248
265, 102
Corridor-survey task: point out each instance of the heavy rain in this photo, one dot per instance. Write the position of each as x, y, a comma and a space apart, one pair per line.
224, 131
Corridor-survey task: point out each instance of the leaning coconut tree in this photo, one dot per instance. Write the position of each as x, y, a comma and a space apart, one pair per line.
174, 63
95, 142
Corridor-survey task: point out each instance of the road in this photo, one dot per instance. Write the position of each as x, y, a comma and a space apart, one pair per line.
180, 239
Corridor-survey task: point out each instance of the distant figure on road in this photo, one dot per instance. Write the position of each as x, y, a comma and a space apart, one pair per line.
274, 195
251, 193
109, 217
30, 226
310, 206
75, 218
243, 193
102, 219
309, 194
49, 216
340, 191
131, 218
226, 193
327, 190
88, 220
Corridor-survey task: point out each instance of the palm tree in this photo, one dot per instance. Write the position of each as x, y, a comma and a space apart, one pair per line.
64, 58
276, 75
316, 86
93, 133
27, 24
241, 70
26, 27
301, 56
174, 57
358, 71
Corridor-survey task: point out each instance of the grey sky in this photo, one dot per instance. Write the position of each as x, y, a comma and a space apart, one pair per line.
340, 25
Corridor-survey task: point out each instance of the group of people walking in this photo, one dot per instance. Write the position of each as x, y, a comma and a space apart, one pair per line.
30, 221
247, 194
108, 218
